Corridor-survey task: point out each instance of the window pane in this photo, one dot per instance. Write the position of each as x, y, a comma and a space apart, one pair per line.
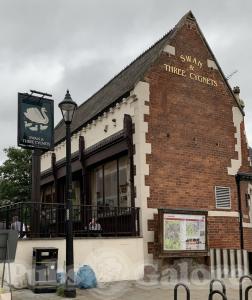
97, 186
76, 200
48, 197
76, 192
110, 183
124, 182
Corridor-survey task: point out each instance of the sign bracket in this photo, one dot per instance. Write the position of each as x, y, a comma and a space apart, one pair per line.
40, 93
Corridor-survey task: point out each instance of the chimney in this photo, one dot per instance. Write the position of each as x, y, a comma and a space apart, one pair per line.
236, 91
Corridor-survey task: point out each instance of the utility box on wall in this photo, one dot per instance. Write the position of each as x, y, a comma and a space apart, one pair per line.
44, 270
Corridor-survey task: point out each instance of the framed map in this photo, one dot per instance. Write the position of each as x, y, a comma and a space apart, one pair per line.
183, 231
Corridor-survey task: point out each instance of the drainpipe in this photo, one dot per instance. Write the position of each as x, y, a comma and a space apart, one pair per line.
238, 183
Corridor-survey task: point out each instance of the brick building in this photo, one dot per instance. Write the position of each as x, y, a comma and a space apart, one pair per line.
164, 138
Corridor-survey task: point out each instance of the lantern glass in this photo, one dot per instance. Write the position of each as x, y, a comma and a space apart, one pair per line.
67, 107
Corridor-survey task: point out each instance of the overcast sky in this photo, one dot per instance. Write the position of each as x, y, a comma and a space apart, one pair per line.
52, 45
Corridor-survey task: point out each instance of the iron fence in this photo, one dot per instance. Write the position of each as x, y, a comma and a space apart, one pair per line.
48, 220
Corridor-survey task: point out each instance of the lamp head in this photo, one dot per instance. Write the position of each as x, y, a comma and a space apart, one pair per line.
67, 107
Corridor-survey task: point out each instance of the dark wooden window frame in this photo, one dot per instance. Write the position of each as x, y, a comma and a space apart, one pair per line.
115, 145
102, 164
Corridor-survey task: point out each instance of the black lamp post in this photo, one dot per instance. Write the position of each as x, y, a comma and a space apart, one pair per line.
68, 107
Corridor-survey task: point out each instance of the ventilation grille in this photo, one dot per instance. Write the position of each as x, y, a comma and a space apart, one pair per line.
222, 197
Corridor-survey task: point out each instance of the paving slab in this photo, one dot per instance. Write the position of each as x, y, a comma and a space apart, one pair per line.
126, 290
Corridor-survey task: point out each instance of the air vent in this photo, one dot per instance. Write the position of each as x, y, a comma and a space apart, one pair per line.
222, 197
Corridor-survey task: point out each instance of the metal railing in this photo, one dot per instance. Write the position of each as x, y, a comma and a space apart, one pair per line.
241, 280
185, 287
220, 282
224, 297
213, 292
48, 220
247, 292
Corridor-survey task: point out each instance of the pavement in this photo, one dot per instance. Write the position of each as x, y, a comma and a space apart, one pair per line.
127, 290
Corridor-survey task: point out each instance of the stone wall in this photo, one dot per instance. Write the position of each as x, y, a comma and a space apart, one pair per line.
112, 259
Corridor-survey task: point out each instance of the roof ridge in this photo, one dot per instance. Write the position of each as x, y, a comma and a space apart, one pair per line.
189, 15
124, 81
116, 78
215, 59
127, 66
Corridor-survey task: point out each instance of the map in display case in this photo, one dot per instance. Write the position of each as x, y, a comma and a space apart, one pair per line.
182, 232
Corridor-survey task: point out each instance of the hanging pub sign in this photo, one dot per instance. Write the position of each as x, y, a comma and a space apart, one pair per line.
35, 122
182, 233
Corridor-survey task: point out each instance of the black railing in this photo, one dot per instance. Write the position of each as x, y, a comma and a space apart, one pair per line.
241, 280
48, 220
185, 288
212, 292
220, 283
216, 292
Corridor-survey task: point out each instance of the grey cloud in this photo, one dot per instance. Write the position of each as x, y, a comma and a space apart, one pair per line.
54, 45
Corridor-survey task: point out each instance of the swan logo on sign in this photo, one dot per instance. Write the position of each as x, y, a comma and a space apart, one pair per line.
36, 119
35, 122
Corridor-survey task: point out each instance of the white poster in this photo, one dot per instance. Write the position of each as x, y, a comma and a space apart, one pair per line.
184, 232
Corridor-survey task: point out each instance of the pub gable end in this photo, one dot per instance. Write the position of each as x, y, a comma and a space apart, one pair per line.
191, 124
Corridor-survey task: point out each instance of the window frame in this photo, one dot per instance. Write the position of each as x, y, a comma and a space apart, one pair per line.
102, 165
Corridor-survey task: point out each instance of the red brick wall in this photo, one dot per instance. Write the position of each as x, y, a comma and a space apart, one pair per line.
247, 232
191, 132
223, 232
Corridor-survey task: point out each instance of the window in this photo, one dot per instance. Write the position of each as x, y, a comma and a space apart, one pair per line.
124, 186
48, 195
48, 211
76, 200
97, 186
223, 197
110, 183
76, 192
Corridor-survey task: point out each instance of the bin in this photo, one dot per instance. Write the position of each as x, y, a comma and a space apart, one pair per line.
44, 270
